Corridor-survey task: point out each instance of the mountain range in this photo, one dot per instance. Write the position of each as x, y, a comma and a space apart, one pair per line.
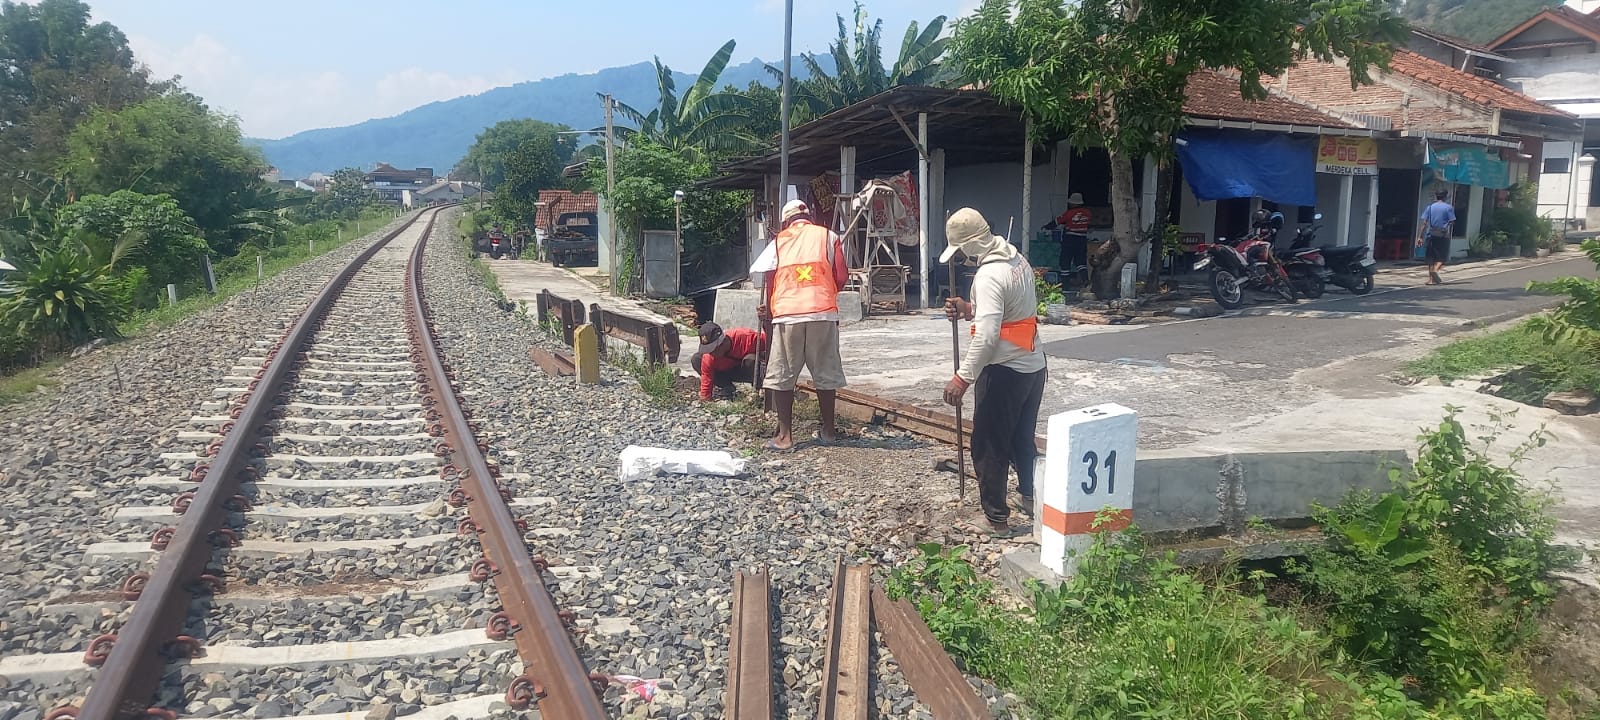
438, 134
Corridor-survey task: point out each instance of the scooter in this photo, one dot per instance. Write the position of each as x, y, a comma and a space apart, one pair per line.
1349, 267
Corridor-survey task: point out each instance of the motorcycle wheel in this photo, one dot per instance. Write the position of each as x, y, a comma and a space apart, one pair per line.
1226, 289
1363, 285
1307, 282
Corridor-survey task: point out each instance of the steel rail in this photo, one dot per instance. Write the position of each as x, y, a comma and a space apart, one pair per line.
749, 694
139, 654
553, 674
845, 694
930, 672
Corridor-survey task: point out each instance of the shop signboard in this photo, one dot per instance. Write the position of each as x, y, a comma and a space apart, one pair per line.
1469, 166
1347, 156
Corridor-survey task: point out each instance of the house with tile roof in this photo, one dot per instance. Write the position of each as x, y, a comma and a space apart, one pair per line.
1442, 120
1555, 57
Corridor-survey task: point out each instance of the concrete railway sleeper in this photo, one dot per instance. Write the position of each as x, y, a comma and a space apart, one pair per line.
346, 511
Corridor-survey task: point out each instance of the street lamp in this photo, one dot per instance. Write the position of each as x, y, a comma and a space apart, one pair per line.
677, 212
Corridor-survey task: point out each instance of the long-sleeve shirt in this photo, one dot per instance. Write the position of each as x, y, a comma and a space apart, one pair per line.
742, 343
1002, 291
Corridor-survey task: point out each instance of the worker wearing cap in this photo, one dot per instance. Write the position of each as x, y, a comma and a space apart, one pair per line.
1074, 223
802, 270
724, 357
1003, 364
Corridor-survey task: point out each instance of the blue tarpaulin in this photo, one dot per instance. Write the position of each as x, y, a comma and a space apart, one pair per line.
1273, 166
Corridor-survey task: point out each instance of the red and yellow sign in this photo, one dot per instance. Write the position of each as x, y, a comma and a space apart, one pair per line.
1347, 156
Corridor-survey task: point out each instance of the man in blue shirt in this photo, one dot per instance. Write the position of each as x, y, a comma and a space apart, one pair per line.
1437, 221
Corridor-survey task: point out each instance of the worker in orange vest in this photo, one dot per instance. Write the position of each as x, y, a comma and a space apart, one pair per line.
1003, 364
802, 272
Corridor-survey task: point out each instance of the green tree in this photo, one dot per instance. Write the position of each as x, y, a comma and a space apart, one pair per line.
170, 247
1112, 73
55, 68
1476, 20
535, 165
647, 176
859, 72
486, 160
169, 145
703, 120
763, 105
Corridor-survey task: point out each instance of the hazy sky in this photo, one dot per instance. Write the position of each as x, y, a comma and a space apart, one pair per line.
291, 65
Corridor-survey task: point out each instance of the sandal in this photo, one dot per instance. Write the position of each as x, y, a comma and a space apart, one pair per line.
772, 446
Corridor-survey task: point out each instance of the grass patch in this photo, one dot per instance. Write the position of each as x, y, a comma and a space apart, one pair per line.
659, 382
1422, 603
275, 261
1553, 366
17, 387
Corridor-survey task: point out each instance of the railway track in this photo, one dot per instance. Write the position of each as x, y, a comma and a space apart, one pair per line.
329, 513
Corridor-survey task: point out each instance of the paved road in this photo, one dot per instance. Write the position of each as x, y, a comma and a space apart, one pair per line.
1278, 340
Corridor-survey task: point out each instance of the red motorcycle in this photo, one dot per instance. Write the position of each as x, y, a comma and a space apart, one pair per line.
1247, 263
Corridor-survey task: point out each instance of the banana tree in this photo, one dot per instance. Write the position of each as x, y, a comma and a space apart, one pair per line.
858, 69
703, 120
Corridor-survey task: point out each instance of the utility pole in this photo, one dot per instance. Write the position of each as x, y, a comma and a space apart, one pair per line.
783, 108
611, 197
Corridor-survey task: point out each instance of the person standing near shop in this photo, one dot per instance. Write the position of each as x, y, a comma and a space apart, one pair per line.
803, 271
1437, 221
1003, 364
1074, 234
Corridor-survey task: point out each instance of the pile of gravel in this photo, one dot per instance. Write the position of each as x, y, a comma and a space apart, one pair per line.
668, 547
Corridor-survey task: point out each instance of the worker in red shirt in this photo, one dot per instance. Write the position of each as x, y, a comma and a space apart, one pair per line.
724, 357
1074, 234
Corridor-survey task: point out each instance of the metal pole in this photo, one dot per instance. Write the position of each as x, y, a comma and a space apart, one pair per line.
924, 276
784, 104
260, 272
611, 196
955, 350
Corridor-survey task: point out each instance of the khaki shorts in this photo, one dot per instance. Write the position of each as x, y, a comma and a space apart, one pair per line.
813, 345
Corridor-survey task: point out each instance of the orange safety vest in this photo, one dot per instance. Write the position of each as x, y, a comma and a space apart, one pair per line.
804, 280
1020, 333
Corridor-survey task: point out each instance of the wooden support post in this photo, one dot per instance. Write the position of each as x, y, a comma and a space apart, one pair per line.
654, 351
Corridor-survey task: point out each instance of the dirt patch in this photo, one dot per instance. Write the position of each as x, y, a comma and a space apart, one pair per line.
1568, 669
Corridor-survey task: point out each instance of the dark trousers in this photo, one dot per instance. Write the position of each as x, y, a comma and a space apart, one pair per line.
1006, 409
1074, 252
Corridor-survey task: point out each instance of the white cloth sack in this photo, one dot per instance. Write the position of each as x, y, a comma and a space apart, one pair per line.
642, 462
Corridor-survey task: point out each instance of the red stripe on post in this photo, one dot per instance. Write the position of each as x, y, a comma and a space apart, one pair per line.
1082, 523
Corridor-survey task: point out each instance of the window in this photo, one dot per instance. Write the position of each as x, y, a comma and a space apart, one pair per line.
1557, 166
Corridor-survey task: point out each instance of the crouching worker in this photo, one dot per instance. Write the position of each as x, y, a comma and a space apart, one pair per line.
726, 357
1004, 366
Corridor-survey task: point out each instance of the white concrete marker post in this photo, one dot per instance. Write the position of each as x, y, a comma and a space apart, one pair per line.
1088, 468
172, 294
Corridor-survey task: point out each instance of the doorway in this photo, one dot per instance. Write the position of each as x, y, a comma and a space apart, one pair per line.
1398, 192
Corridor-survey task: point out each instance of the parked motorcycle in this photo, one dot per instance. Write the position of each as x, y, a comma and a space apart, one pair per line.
1304, 264
1349, 267
497, 243
1248, 263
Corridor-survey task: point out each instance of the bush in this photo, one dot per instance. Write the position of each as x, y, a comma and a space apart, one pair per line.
1519, 222
1441, 582
1484, 244
62, 299
1577, 319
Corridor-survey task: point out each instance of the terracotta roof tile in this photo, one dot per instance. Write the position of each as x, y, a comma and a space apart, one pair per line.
562, 202
1213, 94
1481, 91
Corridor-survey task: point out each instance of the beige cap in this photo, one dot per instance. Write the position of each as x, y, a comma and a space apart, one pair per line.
966, 231
1075, 199
793, 208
